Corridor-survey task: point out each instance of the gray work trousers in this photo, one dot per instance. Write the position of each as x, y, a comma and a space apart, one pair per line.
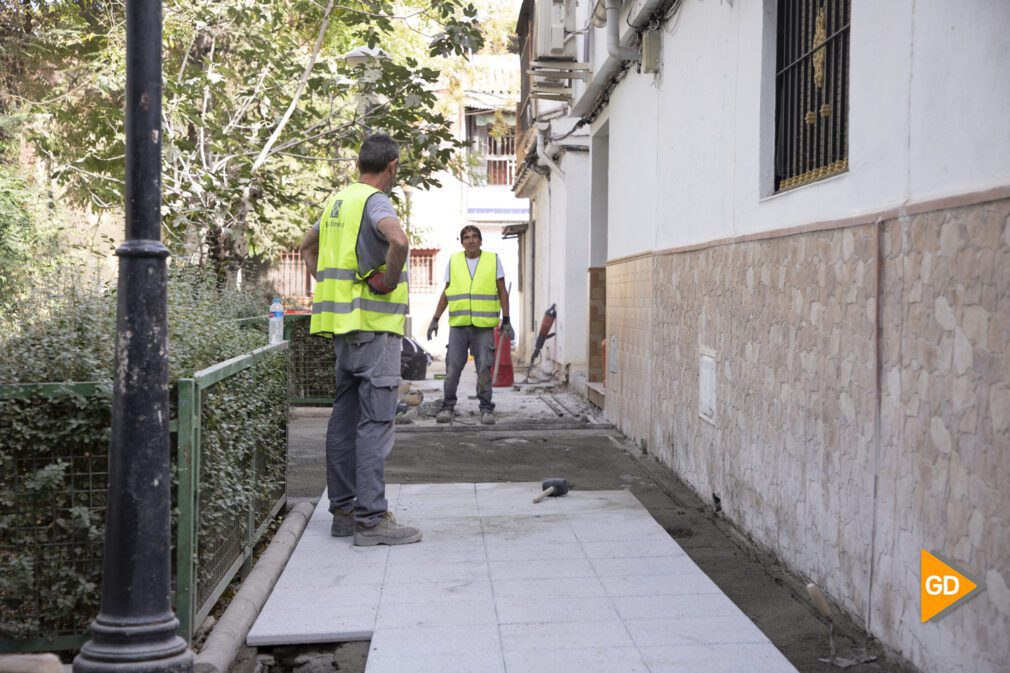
359, 436
479, 341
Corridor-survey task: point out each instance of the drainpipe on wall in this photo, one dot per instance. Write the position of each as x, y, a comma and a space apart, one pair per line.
542, 152
614, 47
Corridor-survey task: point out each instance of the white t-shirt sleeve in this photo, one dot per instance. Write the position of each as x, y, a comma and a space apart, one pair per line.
448, 264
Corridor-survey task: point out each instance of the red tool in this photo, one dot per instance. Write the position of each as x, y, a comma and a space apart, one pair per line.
545, 332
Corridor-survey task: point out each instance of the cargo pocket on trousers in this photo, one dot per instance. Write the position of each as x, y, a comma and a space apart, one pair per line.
382, 398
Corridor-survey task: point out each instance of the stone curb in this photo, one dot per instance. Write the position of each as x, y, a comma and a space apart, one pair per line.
229, 634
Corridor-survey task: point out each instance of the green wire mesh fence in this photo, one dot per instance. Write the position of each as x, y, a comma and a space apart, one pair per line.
229, 442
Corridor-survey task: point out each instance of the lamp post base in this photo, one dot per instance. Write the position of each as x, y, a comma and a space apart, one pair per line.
134, 648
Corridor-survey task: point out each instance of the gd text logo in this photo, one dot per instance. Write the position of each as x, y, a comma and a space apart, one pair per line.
941, 586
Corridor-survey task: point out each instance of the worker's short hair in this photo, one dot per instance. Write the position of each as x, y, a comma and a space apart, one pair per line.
376, 153
472, 228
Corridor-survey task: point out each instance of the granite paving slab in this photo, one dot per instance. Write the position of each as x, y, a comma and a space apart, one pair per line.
588, 582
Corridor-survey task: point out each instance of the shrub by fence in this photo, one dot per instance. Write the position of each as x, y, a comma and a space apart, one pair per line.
229, 426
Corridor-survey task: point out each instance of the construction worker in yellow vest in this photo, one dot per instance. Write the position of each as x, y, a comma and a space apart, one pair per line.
356, 252
474, 294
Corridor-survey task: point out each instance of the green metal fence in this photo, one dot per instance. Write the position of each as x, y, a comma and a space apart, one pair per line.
52, 495
230, 453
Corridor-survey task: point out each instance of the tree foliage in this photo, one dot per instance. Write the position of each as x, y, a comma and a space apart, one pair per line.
261, 115
27, 241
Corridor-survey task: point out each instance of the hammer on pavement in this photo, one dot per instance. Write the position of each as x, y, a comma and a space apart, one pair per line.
553, 488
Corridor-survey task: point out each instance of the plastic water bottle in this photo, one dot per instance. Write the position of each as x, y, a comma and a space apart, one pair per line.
276, 321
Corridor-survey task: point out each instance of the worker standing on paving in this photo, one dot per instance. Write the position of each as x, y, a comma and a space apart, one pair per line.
357, 252
475, 294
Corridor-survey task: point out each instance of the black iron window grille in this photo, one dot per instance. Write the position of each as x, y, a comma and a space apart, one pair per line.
811, 91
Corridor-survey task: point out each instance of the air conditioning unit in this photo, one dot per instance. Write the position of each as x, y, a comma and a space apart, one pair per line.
555, 21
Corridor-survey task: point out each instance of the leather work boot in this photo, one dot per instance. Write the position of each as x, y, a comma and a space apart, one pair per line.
387, 531
343, 524
487, 418
444, 415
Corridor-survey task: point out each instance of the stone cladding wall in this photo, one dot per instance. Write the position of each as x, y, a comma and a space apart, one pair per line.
944, 469
847, 436
597, 302
629, 319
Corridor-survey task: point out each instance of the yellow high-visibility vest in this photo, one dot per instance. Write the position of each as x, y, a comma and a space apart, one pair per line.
473, 301
343, 301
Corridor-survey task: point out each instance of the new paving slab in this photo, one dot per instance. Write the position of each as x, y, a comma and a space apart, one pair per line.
587, 582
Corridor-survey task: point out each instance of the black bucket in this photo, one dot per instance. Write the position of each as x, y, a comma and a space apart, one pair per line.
414, 360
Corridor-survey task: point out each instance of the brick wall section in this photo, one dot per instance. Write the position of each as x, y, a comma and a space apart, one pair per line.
597, 302
794, 453
629, 318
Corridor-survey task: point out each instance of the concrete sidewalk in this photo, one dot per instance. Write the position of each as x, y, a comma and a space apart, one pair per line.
588, 582
523, 405
594, 460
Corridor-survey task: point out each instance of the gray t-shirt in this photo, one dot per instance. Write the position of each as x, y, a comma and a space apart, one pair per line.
372, 245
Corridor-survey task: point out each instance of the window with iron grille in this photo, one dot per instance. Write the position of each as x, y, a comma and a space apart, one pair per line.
811, 91
422, 271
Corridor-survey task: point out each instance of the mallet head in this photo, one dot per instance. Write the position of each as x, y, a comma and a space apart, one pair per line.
560, 486
553, 488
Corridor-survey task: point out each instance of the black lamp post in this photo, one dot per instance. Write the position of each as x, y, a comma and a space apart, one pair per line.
135, 631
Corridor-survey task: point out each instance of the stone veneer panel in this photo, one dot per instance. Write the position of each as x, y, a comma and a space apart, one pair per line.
791, 323
597, 302
794, 453
629, 318
945, 432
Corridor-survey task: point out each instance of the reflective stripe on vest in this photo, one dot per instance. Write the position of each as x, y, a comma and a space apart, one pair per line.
473, 301
343, 301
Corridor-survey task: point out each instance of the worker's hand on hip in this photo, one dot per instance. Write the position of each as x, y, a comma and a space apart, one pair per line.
432, 328
377, 281
506, 327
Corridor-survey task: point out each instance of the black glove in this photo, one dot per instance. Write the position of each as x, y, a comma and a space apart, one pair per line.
377, 281
432, 328
506, 327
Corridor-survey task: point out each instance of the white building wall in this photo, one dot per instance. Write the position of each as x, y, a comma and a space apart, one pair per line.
632, 199
574, 261
699, 133
690, 158
549, 213
960, 92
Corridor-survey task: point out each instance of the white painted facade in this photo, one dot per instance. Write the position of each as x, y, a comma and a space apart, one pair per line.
692, 147
685, 158
561, 258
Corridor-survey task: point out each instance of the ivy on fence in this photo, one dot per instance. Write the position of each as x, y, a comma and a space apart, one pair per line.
54, 439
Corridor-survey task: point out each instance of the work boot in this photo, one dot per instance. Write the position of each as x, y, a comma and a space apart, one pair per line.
343, 524
444, 415
387, 531
487, 418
